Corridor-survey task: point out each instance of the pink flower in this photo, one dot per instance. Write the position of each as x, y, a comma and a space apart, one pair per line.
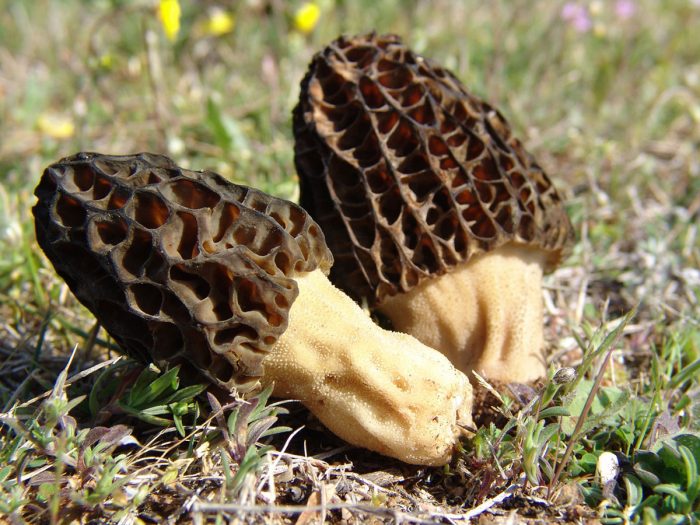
577, 17
570, 10
625, 9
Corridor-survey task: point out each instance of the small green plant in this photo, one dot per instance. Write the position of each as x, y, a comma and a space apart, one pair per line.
248, 422
12, 494
555, 416
658, 440
155, 398
671, 472
562, 430
661, 486
50, 461
62, 462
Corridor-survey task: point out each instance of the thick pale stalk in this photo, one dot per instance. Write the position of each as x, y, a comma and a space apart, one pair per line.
376, 389
484, 315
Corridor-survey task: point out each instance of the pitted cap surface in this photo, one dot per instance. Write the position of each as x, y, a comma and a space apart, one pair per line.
408, 174
180, 267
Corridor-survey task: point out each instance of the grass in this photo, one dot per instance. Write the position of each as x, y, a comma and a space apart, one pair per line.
612, 113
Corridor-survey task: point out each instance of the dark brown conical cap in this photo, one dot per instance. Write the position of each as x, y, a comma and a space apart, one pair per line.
408, 174
180, 267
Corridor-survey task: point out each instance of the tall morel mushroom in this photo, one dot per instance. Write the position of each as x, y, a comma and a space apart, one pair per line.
434, 212
186, 268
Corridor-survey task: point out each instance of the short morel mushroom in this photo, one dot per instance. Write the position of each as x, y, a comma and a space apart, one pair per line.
184, 267
434, 212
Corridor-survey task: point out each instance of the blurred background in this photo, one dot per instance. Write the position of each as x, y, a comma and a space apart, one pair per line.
606, 95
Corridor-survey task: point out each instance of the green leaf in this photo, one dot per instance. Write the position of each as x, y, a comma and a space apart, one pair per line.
145, 416
187, 393
178, 425
180, 408
692, 443
635, 492
228, 134
257, 428
674, 468
72, 403
275, 430
625, 434
232, 422
588, 462
687, 373
262, 398
157, 410
649, 516
155, 388
47, 490
139, 390
5, 472
691, 468
250, 463
556, 411
646, 466
215, 120
672, 490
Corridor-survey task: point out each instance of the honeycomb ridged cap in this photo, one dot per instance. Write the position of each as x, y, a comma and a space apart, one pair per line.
180, 267
408, 174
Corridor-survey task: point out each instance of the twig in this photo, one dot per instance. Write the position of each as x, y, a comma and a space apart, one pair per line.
480, 509
324, 455
373, 486
273, 464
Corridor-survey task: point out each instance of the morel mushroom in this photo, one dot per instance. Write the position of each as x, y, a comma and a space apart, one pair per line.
186, 268
434, 212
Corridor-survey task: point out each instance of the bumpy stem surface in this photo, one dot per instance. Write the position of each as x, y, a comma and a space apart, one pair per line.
485, 315
376, 389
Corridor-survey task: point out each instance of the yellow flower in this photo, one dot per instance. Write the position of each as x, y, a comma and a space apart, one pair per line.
219, 23
596, 7
106, 61
169, 14
306, 17
55, 126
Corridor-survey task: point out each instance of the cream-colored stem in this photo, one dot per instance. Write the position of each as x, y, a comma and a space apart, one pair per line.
484, 315
376, 389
